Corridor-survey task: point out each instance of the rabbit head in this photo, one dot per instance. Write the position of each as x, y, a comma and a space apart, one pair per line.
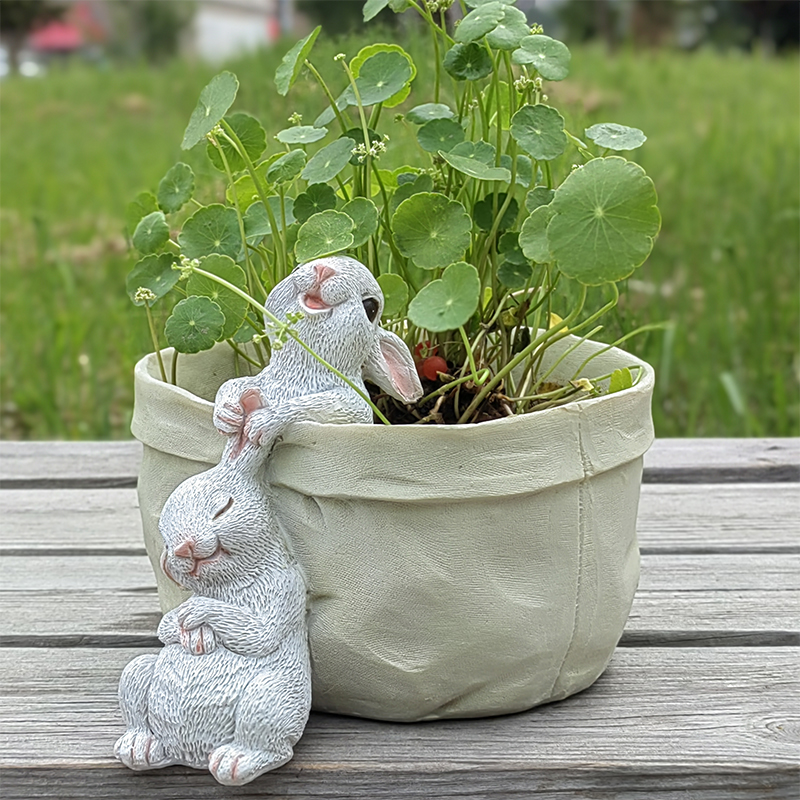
216, 529
341, 303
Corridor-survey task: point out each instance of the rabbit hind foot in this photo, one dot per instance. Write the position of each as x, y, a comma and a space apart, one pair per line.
139, 750
233, 765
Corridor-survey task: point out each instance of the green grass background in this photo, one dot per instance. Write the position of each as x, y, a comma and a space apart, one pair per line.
723, 150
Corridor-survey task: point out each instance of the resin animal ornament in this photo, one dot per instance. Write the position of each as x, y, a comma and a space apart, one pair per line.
341, 303
231, 689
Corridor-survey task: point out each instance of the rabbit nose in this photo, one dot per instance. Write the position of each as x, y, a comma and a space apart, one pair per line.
324, 272
185, 549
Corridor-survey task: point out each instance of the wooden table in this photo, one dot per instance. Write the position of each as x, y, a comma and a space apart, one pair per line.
700, 701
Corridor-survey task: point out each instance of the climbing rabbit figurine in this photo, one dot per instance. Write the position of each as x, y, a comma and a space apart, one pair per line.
341, 303
231, 689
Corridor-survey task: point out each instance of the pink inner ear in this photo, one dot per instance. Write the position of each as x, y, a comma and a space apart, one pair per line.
403, 380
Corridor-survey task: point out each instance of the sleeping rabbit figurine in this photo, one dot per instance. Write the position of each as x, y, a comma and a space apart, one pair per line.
231, 689
341, 303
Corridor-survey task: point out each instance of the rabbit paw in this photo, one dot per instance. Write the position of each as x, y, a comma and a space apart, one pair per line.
229, 417
234, 766
199, 641
141, 750
262, 428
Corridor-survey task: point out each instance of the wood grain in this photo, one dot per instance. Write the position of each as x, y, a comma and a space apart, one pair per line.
668, 723
48, 465
673, 518
708, 600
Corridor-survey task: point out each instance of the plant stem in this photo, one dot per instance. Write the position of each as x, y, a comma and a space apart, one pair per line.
174, 367
328, 94
154, 336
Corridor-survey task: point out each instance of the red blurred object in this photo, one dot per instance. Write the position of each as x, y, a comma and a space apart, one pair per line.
58, 37
431, 367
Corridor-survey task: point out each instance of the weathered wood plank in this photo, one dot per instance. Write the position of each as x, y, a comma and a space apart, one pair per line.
116, 464
672, 518
705, 724
71, 601
722, 461
68, 465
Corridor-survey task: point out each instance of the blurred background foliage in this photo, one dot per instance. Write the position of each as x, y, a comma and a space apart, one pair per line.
714, 85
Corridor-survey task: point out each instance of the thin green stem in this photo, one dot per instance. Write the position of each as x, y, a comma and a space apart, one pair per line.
239, 352
342, 122
154, 336
174, 367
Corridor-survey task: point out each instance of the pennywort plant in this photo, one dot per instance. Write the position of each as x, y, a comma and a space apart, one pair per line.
473, 243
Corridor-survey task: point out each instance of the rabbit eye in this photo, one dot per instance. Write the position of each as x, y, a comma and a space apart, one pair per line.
223, 509
371, 306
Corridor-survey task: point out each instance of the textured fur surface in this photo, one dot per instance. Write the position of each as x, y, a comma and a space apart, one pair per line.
231, 689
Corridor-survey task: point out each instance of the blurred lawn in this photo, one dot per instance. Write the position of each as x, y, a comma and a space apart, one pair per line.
723, 150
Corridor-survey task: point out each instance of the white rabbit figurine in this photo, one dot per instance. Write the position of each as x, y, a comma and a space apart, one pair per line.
231, 689
341, 303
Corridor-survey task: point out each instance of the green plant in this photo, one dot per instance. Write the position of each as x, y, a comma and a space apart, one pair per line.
473, 245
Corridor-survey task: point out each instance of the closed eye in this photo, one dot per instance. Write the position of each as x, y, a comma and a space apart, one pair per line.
223, 509
371, 306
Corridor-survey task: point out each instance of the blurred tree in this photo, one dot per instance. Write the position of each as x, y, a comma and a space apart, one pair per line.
584, 21
341, 16
158, 25
19, 17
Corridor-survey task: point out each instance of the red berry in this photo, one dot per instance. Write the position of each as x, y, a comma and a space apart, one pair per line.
433, 365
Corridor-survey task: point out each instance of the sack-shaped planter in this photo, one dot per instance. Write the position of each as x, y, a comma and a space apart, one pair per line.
454, 571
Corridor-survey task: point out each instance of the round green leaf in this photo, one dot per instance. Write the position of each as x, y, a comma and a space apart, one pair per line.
479, 22
293, 61
251, 135
365, 219
477, 3
538, 196
508, 247
605, 220
511, 29
524, 174
448, 302
287, 167
154, 273
215, 100
371, 50
373, 7
420, 183
151, 233
440, 134
196, 324
318, 197
380, 78
419, 115
479, 151
616, 137
232, 305
323, 234
144, 204
539, 130
256, 220
533, 235
329, 162
513, 275
475, 166
484, 216
176, 188
213, 229
395, 294
468, 62
548, 56
301, 134
431, 229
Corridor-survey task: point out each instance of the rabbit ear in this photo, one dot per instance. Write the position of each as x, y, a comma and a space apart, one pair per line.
390, 366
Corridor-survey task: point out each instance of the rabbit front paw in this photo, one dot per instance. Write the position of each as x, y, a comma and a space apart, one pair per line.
229, 417
262, 428
199, 641
139, 749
